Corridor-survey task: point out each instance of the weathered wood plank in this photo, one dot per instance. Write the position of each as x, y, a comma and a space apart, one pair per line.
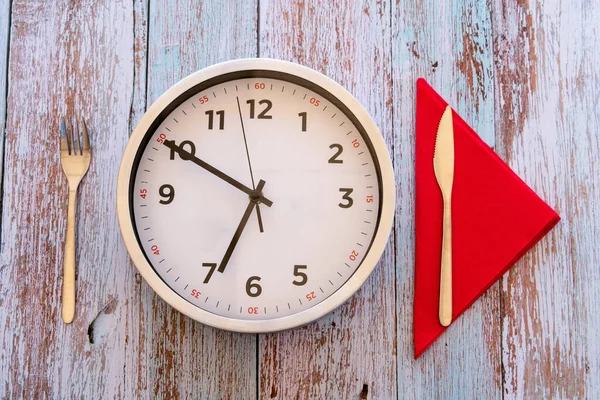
140, 60
350, 353
547, 72
90, 57
450, 46
183, 358
67, 58
137, 382
4, 38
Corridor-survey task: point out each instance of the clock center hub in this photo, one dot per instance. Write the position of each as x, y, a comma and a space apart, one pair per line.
255, 195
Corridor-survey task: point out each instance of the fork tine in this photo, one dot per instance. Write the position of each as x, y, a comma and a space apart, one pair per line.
64, 142
75, 133
70, 138
86, 138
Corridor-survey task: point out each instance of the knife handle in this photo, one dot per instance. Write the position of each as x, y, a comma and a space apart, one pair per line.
445, 312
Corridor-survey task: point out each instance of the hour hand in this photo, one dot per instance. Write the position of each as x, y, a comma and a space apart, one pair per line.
186, 155
260, 223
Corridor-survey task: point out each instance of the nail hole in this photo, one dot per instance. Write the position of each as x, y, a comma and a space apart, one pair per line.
364, 393
101, 325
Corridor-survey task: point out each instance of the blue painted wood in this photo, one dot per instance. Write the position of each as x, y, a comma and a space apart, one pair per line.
449, 44
524, 75
4, 46
350, 353
547, 70
186, 36
184, 358
74, 60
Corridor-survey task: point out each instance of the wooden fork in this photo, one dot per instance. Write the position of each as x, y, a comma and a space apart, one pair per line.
75, 155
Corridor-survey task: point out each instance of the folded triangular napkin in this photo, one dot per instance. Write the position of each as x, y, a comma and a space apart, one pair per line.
496, 219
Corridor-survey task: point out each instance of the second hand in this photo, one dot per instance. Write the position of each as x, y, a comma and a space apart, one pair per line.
260, 223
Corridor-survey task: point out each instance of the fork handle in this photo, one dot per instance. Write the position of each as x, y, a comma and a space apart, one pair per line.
68, 288
445, 312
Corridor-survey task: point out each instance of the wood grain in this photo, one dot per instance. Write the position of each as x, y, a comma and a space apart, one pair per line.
350, 353
547, 77
451, 47
525, 75
75, 60
4, 38
184, 358
125, 342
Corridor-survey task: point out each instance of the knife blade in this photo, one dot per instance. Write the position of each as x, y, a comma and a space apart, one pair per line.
443, 166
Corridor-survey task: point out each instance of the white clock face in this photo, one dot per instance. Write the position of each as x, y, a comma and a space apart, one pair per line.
255, 196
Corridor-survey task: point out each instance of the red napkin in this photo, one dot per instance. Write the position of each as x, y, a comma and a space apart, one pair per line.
496, 219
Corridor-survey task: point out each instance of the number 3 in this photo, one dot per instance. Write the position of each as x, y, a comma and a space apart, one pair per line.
346, 196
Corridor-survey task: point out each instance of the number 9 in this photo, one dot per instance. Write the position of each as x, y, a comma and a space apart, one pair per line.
168, 192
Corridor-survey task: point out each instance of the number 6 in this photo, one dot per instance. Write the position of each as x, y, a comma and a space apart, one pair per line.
253, 289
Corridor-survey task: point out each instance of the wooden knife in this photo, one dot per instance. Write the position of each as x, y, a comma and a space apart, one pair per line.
443, 165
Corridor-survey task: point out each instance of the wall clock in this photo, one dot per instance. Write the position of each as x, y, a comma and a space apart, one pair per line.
256, 195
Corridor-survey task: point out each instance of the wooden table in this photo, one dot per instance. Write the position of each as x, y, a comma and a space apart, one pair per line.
526, 76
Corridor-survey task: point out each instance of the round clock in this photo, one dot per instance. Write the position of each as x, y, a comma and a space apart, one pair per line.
256, 195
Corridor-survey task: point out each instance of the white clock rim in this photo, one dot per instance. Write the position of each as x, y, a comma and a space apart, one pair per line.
340, 296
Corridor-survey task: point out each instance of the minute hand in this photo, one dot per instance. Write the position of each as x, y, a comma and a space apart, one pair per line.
239, 230
188, 156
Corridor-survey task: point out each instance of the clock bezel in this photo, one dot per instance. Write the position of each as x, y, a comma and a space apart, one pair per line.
169, 101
